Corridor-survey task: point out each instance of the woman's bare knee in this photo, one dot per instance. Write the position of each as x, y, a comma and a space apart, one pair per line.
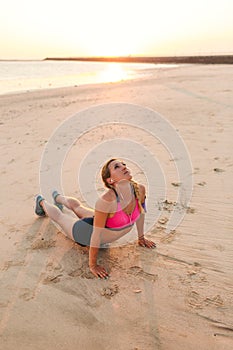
72, 203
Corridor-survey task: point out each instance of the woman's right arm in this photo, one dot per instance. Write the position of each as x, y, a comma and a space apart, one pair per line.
97, 270
100, 217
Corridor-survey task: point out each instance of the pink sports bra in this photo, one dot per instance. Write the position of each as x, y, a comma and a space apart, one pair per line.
122, 220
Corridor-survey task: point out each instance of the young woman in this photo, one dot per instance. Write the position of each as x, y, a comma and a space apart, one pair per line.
116, 211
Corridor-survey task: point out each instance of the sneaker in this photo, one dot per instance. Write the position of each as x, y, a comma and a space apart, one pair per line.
54, 195
38, 209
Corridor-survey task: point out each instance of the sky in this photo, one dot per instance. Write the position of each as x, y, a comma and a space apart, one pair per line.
32, 29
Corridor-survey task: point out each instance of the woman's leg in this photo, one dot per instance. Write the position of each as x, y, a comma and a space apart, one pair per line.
66, 222
74, 205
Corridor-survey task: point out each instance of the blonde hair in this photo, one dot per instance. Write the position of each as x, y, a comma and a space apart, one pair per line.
137, 195
105, 174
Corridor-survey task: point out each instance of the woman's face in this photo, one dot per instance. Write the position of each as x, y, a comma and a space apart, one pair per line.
119, 171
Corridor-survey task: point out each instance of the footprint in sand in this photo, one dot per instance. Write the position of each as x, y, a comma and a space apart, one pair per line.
11, 263
169, 237
163, 220
219, 247
52, 279
26, 294
52, 266
214, 301
109, 292
82, 272
190, 210
139, 272
43, 244
195, 300
166, 205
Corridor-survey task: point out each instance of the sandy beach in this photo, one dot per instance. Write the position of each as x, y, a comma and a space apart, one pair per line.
179, 296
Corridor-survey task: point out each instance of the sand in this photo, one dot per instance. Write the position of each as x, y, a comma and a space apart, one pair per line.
179, 296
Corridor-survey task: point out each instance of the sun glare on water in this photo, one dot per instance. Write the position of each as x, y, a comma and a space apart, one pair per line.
113, 73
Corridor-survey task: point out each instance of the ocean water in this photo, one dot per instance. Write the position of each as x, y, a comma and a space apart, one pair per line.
19, 76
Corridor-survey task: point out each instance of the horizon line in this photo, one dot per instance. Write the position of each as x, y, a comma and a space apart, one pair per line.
197, 58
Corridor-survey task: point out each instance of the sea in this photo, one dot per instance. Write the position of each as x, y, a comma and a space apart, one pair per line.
22, 76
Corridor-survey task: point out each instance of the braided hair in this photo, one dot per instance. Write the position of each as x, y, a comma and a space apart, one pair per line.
137, 195
105, 174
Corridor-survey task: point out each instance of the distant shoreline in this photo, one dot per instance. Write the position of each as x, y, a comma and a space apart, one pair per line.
201, 59
215, 59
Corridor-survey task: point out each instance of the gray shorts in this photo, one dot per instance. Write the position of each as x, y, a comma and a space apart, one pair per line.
82, 231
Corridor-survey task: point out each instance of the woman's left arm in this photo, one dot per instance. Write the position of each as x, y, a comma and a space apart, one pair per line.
142, 241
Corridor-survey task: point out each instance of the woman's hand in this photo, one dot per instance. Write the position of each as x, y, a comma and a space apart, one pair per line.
143, 242
99, 271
